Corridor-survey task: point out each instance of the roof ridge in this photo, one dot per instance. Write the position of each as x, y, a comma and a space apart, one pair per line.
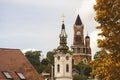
8, 49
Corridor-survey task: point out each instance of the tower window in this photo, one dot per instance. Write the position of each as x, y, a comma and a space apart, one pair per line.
85, 61
67, 68
7, 75
58, 57
58, 68
67, 57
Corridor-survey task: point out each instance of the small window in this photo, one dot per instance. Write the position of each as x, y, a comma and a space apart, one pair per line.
85, 61
7, 75
58, 57
58, 68
67, 57
21, 76
67, 68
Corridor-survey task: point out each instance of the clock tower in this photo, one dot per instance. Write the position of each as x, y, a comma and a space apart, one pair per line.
81, 49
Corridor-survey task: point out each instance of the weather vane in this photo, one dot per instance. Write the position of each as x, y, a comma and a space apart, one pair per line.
63, 18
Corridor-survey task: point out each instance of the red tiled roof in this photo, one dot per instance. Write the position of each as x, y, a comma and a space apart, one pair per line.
12, 61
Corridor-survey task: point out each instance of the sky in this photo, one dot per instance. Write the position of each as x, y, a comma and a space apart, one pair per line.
36, 24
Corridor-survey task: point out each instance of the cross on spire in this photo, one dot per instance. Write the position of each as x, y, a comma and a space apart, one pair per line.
63, 18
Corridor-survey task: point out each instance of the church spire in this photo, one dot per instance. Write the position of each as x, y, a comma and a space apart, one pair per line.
78, 21
63, 38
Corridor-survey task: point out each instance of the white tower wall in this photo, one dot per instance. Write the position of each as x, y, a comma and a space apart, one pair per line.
65, 66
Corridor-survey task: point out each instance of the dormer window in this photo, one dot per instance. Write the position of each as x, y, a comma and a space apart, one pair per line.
21, 76
7, 75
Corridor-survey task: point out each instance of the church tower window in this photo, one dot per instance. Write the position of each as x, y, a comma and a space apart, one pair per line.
58, 57
67, 57
58, 68
67, 68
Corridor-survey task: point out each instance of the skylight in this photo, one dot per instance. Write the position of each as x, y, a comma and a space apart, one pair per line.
21, 76
7, 75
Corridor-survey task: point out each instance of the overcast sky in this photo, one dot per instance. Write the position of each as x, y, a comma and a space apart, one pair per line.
36, 24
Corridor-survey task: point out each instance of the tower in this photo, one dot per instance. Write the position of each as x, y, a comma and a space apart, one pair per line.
87, 44
62, 59
81, 50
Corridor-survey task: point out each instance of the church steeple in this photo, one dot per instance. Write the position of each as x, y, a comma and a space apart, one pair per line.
78, 32
78, 21
63, 39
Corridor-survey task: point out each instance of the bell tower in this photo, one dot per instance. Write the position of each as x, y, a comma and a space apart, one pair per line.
81, 50
62, 59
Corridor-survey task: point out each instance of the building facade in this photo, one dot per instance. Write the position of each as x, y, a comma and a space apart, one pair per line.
81, 46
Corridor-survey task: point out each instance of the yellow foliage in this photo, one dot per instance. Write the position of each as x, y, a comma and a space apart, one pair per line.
107, 66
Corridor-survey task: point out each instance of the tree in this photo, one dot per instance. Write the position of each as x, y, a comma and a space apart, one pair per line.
50, 56
45, 61
84, 71
107, 66
99, 53
108, 16
45, 65
34, 58
79, 77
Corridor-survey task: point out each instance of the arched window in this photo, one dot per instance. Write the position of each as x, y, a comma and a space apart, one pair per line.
58, 68
67, 68
58, 57
85, 61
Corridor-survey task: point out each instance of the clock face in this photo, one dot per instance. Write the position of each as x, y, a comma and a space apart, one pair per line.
78, 33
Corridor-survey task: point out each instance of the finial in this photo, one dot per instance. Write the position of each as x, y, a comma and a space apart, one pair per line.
63, 18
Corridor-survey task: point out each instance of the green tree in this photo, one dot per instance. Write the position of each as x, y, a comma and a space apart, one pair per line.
45, 65
45, 61
107, 66
79, 77
50, 56
34, 58
84, 71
